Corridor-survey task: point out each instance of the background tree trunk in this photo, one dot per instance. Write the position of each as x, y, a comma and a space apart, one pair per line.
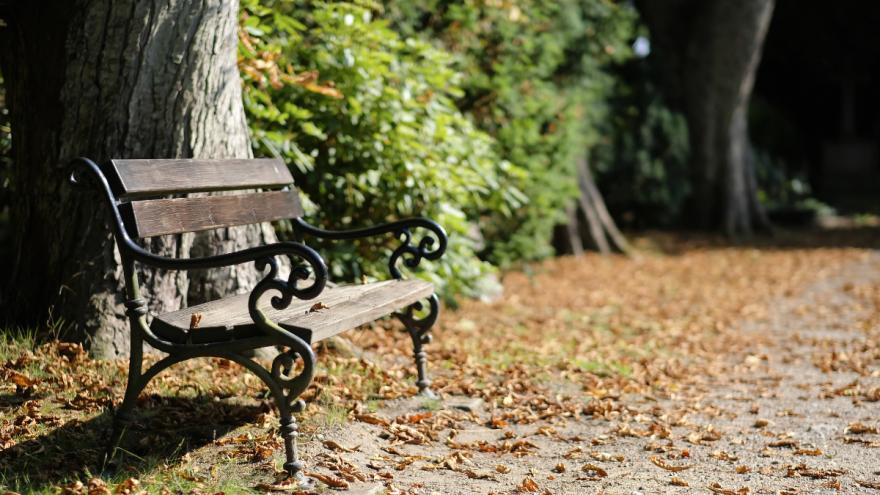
707, 53
597, 227
108, 79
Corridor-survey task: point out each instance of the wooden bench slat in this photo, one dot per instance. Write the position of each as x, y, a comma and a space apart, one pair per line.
173, 216
370, 305
156, 177
348, 306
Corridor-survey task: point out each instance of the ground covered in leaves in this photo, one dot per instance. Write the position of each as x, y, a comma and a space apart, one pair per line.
692, 367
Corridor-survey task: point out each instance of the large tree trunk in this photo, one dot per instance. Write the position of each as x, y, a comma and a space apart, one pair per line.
708, 52
109, 79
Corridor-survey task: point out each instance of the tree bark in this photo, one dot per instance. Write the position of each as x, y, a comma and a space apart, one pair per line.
109, 79
708, 52
608, 226
599, 230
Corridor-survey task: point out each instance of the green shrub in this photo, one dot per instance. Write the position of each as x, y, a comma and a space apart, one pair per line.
535, 78
641, 161
368, 122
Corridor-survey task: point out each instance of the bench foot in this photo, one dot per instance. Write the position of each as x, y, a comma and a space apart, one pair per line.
122, 418
419, 329
421, 358
120, 425
289, 433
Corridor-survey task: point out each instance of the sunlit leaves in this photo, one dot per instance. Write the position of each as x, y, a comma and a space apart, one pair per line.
368, 122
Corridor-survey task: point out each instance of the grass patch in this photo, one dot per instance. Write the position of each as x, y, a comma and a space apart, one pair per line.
602, 368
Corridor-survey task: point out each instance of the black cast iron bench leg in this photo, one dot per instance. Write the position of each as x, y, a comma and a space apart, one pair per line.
419, 329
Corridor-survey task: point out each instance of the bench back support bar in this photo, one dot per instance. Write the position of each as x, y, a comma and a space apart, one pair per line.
139, 178
174, 216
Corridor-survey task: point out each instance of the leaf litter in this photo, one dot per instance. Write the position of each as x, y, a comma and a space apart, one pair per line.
637, 345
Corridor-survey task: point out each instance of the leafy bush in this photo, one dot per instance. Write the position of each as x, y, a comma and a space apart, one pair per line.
368, 121
642, 159
535, 78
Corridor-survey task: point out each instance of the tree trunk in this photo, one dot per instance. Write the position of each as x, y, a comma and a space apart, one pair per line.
108, 79
591, 193
600, 230
708, 52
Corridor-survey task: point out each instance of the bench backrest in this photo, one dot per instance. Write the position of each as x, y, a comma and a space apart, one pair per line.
138, 180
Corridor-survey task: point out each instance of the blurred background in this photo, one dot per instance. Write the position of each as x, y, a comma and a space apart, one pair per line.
531, 129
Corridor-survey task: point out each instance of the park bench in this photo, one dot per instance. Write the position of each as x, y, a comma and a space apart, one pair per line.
148, 198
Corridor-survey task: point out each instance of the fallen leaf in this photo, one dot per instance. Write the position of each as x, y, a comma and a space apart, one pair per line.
869, 484
716, 488
833, 484
605, 457
372, 419
594, 472
281, 486
318, 306
785, 443
815, 473
331, 481
858, 428
528, 485
478, 475
330, 444
194, 320
20, 379
661, 463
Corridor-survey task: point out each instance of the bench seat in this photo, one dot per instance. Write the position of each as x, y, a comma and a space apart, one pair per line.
347, 306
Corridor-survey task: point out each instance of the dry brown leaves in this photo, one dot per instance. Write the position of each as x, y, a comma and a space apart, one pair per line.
858, 428
657, 461
654, 325
592, 472
678, 482
815, 473
716, 488
869, 484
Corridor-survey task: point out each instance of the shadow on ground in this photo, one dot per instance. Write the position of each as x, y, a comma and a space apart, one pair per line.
165, 429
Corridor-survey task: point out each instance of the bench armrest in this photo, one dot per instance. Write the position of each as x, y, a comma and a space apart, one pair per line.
412, 254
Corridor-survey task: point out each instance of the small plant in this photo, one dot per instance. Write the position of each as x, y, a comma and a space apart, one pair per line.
432, 404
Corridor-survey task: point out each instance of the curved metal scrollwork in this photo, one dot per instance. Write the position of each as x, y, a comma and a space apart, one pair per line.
290, 288
431, 246
412, 255
297, 348
420, 326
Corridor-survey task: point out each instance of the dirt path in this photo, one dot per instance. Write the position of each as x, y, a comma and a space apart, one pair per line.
794, 410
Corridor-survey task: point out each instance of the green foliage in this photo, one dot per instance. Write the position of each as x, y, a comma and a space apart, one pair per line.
368, 121
642, 162
535, 78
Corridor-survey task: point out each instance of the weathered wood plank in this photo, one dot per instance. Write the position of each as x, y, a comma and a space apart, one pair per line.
368, 306
173, 216
157, 177
347, 306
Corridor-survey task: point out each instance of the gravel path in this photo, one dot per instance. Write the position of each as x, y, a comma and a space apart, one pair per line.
795, 411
